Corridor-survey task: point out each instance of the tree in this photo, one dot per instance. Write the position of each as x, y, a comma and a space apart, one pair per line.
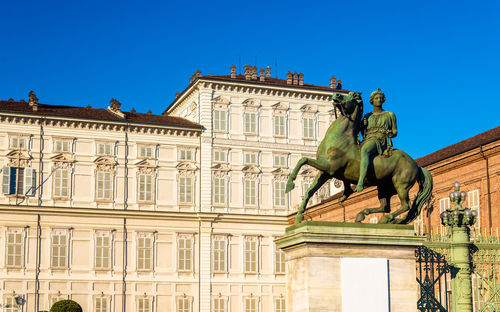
66, 306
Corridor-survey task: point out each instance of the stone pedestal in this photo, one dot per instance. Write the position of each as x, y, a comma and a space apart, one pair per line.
321, 260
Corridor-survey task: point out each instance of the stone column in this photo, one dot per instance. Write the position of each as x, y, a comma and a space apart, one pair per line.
335, 266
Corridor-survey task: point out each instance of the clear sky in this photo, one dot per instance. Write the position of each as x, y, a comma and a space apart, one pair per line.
437, 61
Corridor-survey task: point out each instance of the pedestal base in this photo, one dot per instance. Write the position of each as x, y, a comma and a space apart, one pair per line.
321, 267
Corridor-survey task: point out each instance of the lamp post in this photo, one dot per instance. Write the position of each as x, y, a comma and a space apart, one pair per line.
460, 219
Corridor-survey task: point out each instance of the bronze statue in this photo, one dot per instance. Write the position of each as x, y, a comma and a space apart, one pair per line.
391, 170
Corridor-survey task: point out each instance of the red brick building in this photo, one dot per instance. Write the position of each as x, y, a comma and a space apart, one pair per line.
474, 162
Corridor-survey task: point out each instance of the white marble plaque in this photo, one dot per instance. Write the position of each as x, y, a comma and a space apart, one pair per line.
365, 284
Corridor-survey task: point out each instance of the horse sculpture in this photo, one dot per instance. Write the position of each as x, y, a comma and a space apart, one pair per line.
338, 156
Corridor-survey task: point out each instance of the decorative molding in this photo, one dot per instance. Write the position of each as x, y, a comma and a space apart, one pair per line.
251, 172
62, 161
18, 159
186, 168
221, 170
280, 174
146, 166
279, 109
98, 126
251, 105
308, 108
105, 163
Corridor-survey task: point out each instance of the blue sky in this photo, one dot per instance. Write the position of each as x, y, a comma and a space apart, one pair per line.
437, 61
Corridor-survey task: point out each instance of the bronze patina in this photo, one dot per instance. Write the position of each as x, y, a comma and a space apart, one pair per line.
372, 163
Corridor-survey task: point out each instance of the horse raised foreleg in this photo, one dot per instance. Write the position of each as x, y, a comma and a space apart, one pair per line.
320, 165
347, 191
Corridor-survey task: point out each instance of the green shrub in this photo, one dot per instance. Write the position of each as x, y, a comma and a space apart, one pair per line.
66, 306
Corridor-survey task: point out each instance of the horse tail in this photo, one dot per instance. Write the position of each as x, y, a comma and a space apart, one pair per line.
424, 193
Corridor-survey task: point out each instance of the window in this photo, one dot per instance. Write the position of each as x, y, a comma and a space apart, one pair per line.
143, 305
103, 185
185, 190
373, 220
104, 149
219, 304
279, 125
250, 192
146, 151
220, 120
185, 254
251, 158
103, 252
144, 253
280, 160
20, 181
219, 190
59, 250
279, 194
250, 122
62, 146
183, 304
18, 142
308, 124
220, 156
146, 187
15, 249
279, 258
473, 201
186, 154
279, 304
61, 182
10, 304
251, 304
101, 304
219, 247
250, 255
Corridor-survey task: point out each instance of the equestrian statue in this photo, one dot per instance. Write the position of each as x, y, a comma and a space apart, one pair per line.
372, 162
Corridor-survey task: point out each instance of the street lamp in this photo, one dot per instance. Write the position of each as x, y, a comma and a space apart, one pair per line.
459, 219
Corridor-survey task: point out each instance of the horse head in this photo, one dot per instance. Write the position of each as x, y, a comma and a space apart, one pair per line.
350, 105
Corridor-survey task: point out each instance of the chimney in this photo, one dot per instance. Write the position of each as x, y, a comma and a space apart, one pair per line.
261, 74
195, 75
248, 72
295, 78
301, 79
177, 94
339, 84
115, 108
33, 101
332, 82
254, 72
268, 72
233, 71
289, 78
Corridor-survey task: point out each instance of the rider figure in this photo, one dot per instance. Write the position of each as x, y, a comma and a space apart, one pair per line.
378, 127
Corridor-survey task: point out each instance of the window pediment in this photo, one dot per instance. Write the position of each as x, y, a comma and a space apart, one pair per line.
220, 102
221, 167
186, 166
281, 174
18, 159
62, 158
146, 163
280, 106
251, 171
308, 108
105, 163
251, 103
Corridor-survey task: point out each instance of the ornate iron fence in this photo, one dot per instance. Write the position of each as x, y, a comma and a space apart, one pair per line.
433, 273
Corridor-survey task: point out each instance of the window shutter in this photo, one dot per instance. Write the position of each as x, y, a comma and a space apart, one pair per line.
29, 182
6, 180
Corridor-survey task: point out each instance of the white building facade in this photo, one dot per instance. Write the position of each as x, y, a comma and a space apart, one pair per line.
122, 211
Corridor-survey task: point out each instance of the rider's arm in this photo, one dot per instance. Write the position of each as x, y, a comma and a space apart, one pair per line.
394, 128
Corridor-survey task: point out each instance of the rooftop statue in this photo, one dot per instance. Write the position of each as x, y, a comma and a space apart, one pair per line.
373, 162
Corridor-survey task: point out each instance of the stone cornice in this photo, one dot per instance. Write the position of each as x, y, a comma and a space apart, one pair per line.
258, 145
98, 125
248, 89
143, 214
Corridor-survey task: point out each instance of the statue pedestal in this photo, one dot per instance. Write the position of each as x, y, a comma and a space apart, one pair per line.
350, 267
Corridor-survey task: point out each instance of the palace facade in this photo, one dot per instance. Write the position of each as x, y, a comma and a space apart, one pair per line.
126, 211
